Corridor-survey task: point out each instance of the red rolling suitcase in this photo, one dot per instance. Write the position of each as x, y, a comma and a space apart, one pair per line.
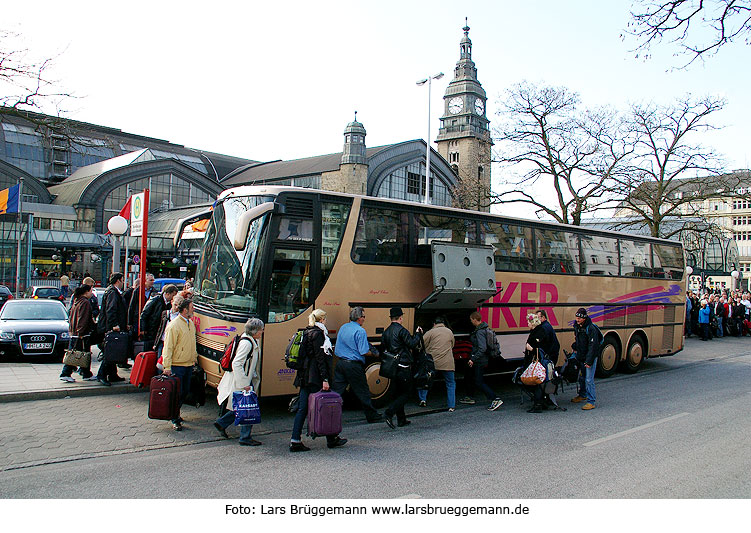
324, 414
164, 397
144, 368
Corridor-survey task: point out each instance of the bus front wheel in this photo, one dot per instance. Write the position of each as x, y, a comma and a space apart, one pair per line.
609, 357
634, 355
380, 387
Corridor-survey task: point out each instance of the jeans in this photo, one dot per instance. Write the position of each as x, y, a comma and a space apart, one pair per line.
587, 382
352, 373
184, 373
302, 414
450, 380
719, 327
228, 418
475, 379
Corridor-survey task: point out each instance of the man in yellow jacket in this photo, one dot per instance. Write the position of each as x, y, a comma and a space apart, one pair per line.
179, 354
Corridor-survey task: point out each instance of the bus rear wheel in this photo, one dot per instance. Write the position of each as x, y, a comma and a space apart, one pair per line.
609, 357
635, 354
380, 387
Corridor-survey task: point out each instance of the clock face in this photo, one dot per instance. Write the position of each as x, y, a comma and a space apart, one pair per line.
455, 105
479, 107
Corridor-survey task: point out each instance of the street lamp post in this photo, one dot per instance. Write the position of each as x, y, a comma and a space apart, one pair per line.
118, 226
429, 80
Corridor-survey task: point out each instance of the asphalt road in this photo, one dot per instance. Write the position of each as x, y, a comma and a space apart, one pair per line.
677, 429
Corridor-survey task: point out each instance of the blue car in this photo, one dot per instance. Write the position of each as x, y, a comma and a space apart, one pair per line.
159, 283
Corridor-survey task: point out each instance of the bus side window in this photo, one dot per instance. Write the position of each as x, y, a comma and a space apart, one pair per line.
290, 284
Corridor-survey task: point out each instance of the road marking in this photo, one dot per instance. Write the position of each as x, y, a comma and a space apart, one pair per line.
634, 430
409, 497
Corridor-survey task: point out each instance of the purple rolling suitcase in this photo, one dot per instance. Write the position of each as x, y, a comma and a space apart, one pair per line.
324, 414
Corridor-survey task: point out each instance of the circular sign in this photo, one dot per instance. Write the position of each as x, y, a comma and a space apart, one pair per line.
136, 259
137, 207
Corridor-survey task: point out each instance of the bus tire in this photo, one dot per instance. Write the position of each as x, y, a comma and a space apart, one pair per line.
610, 354
635, 354
380, 387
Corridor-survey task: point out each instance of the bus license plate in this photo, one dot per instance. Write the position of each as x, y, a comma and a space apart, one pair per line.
37, 346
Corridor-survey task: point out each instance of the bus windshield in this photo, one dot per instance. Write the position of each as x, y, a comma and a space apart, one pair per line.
229, 278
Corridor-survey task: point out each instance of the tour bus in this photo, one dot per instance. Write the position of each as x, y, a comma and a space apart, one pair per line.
277, 253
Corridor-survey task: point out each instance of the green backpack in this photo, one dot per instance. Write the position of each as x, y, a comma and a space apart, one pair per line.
292, 354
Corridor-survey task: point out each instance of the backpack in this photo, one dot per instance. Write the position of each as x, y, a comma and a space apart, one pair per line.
494, 347
292, 354
229, 353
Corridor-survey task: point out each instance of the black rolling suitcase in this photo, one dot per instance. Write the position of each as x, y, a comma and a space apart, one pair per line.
116, 346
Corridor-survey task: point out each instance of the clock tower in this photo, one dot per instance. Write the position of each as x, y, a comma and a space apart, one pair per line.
464, 136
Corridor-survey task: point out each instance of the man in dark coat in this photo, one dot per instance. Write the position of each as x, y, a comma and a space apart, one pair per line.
151, 317
550, 344
114, 317
587, 347
397, 340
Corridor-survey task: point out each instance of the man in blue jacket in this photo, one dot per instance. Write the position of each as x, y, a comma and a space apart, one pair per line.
587, 348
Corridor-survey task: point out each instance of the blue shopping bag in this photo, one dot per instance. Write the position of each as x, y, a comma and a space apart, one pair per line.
245, 406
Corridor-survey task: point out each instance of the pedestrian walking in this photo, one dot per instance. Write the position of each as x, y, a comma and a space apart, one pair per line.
439, 344
478, 362
351, 348
114, 317
151, 317
64, 284
587, 348
397, 340
242, 377
179, 354
315, 374
81, 326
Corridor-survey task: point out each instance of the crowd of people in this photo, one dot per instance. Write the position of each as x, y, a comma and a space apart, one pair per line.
165, 325
717, 313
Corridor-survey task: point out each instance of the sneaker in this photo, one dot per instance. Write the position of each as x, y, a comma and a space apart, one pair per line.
495, 405
451, 409
578, 399
588, 406
467, 400
67, 379
90, 378
423, 404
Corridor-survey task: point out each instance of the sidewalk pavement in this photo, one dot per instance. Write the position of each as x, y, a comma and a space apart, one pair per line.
40, 381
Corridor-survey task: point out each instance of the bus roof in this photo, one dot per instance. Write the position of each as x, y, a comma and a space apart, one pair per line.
259, 190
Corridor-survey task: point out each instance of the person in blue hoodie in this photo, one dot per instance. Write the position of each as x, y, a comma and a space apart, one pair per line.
704, 320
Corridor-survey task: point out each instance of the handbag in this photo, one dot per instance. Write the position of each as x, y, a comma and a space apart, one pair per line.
245, 406
534, 374
75, 357
389, 364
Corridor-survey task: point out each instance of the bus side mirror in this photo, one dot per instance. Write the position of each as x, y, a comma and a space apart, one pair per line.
243, 224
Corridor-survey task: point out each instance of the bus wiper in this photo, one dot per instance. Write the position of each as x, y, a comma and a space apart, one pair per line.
215, 309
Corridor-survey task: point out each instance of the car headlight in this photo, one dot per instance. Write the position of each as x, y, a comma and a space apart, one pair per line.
7, 336
65, 335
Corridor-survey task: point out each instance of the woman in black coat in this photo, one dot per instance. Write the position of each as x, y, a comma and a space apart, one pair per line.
314, 376
538, 338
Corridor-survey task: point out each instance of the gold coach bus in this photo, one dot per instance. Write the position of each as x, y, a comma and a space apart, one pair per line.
279, 252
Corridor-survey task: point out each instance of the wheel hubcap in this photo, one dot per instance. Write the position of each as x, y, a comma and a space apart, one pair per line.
377, 384
608, 357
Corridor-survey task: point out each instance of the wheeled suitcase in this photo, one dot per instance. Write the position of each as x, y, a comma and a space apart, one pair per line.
144, 368
116, 347
164, 397
197, 394
324, 414
140, 346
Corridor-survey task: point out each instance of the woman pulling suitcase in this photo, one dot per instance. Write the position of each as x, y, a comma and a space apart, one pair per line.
314, 376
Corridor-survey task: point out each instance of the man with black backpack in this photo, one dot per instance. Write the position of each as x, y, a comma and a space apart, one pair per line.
483, 348
587, 340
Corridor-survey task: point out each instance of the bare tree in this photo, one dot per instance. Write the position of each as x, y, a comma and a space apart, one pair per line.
564, 155
699, 27
666, 177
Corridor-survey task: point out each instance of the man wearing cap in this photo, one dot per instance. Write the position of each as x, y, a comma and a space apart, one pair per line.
587, 339
351, 348
396, 339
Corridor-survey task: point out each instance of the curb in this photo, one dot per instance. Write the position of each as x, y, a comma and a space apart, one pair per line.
69, 392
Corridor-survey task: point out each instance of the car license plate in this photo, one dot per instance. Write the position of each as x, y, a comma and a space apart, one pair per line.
37, 346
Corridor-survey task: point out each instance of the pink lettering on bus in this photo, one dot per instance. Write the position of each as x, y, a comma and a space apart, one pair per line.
529, 293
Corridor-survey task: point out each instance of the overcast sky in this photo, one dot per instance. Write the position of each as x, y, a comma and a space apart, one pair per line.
280, 80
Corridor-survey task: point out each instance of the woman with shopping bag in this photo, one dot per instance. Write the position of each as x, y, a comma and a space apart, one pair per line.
243, 378
81, 326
